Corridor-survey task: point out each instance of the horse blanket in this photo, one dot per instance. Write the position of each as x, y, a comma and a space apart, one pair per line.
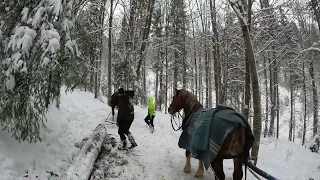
206, 130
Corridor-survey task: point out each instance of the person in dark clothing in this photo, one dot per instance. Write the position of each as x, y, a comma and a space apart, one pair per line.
125, 119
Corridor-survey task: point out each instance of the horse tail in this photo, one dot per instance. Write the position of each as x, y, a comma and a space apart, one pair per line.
238, 141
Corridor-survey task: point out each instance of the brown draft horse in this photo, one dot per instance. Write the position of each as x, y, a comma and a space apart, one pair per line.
233, 147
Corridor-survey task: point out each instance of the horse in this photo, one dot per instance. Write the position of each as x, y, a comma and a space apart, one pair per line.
235, 142
115, 98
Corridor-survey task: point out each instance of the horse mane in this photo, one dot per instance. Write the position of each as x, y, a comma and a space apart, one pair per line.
191, 103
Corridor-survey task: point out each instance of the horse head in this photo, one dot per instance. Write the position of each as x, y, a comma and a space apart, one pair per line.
177, 102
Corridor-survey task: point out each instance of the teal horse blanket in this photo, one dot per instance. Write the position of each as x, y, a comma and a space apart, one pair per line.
206, 130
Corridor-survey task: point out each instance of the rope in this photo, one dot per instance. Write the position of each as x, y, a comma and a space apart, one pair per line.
177, 124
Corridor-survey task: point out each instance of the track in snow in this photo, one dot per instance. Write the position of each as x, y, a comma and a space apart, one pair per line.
157, 155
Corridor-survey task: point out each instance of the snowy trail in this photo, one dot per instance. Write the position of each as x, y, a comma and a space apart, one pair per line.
157, 155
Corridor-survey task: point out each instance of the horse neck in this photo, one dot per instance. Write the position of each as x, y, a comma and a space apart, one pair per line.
191, 105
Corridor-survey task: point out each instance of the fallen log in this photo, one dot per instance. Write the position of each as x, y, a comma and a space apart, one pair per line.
82, 166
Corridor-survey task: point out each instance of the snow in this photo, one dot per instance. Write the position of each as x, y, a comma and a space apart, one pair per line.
57, 7
38, 16
79, 114
24, 14
11, 82
53, 46
45, 62
157, 155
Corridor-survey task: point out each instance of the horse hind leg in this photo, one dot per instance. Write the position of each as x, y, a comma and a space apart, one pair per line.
238, 173
187, 167
217, 166
200, 171
237, 148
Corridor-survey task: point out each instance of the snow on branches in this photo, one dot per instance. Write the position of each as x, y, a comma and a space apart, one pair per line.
239, 7
36, 51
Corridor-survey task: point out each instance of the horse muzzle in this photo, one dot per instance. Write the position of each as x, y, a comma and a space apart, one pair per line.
171, 111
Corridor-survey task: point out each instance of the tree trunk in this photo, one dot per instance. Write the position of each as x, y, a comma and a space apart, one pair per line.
110, 50
267, 97
206, 64
316, 11
315, 98
156, 87
83, 162
272, 99
145, 35
247, 89
278, 101
245, 26
161, 84
195, 61
291, 109
305, 105
216, 64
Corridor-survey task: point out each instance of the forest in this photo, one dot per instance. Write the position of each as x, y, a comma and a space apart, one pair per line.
241, 53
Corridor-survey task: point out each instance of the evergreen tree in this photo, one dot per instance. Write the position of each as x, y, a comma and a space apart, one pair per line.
36, 52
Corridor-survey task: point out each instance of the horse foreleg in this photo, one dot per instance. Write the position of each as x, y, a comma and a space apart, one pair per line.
217, 166
187, 167
112, 110
238, 173
200, 171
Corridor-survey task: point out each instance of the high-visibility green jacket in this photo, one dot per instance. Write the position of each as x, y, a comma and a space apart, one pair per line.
151, 107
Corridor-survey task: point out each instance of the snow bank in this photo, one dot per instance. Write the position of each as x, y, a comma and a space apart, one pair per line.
78, 115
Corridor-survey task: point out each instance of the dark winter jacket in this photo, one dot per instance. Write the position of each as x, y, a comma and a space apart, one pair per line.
125, 108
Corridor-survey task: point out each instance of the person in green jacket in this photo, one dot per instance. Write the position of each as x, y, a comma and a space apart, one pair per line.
151, 114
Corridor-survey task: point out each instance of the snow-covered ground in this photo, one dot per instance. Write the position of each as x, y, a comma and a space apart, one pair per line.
78, 115
157, 155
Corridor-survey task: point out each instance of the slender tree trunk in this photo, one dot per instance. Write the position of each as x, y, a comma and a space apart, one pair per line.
206, 64
272, 99
216, 64
156, 87
278, 101
267, 97
247, 89
166, 93
110, 50
161, 83
316, 11
144, 81
291, 109
315, 98
195, 61
305, 105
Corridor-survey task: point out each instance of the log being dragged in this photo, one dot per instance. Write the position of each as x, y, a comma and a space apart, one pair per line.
81, 167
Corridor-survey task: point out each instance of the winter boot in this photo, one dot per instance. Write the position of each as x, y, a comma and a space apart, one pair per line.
124, 145
151, 129
132, 141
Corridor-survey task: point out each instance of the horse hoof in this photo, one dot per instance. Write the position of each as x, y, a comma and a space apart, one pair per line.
187, 170
198, 176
